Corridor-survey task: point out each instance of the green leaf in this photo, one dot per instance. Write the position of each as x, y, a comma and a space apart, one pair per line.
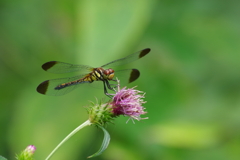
105, 143
2, 158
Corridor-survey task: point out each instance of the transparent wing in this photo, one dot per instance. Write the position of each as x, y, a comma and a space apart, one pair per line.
127, 76
61, 67
49, 87
128, 59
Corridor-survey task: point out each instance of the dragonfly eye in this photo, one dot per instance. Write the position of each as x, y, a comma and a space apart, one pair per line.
108, 71
111, 71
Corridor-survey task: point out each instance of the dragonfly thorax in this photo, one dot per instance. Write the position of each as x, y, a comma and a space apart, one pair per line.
104, 74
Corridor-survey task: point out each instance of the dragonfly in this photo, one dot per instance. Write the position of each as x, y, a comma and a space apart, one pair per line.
62, 86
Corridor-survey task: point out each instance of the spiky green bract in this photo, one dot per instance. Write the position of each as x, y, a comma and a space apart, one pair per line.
100, 114
27, 154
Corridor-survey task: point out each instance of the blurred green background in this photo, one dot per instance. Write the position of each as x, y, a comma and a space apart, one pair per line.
191, 77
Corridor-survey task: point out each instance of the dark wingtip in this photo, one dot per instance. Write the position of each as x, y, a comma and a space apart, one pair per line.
144, 52
42, 88
48, 65
134, 75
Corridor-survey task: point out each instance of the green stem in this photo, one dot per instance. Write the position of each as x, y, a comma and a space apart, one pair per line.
87, 123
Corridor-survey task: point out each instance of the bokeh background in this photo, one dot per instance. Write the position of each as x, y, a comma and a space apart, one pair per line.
191, 77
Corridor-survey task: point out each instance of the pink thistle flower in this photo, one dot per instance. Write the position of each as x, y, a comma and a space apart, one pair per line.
128, 102
30, 149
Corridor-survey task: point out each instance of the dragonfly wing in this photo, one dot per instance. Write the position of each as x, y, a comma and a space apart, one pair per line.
61, 67
127, 75
49, 87
128, 59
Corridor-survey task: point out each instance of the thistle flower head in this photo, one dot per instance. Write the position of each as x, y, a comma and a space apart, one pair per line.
128, 102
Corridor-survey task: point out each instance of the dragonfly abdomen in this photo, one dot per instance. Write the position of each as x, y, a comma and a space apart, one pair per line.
83, 80
87, 79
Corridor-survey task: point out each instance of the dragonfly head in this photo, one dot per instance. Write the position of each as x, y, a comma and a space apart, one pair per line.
109, 73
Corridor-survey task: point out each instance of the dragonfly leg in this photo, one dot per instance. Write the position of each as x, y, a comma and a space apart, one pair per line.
113, 87
105, 88
109, 86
